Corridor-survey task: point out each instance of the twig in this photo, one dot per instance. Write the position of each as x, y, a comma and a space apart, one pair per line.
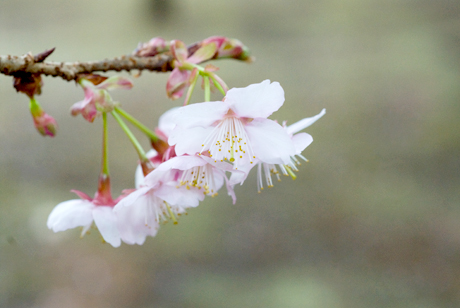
12, 65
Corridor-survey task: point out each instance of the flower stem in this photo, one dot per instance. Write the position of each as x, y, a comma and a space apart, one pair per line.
207, 89
136, 123
105, 148
191, 89
217, 84
140, 151
35, 108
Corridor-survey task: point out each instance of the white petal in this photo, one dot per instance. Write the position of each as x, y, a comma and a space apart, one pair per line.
130, 199
166, 122
302, 124
190, 140
105, 220
180, 196
137, 222
301, 141
240, 177
71, 214
201, 114
257, 100
270, 142
182, 162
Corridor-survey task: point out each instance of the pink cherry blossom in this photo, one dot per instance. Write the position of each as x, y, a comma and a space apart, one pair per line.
201, 172
82, 212
237, 129
161, 198
97, 99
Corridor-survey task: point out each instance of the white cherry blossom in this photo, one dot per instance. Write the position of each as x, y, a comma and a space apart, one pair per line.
235, 130
82, 212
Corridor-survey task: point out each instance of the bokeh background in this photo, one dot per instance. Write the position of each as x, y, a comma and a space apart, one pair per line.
373, 220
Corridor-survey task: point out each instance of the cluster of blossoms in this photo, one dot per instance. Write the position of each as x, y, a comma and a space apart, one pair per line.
197, 149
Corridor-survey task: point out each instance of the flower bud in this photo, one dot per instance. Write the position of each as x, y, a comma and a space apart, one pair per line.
44, 123
229, 48
151, 48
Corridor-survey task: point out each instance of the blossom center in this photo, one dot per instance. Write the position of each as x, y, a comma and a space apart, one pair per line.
200, 177
229, 141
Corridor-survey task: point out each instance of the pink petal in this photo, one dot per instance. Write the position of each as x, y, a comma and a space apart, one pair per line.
301, 141
71, 214
130, 199
180, 196
115, 82
201, 114
166, 122
230, 190
302, 124
179, 50
182, 163
176, 83
240, 177
137, 222
82, 195
257, 100
270, 142
190, 140
105, 220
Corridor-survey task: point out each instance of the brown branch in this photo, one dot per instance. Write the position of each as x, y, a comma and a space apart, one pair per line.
12, 65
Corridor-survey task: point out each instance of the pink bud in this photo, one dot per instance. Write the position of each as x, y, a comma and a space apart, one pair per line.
176, 83
153, 47
179, 51
45, 124
229, 48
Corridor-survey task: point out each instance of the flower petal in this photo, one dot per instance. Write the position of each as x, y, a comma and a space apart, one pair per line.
130, 199
301, 141
179, 50
204, 53
71, 214
180, 196
166, 122
137, 222
257, 100
201, 114
302, 124
115, 82
189, 141
270, 142
182, 163
176, 83
105, 220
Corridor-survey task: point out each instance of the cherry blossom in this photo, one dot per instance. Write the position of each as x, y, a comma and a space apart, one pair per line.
236, 129
97, 99
160, 198
82, 212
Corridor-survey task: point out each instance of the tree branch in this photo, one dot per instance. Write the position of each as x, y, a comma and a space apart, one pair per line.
12, 65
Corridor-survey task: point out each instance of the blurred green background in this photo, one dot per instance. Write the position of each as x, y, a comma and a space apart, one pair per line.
373, 220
